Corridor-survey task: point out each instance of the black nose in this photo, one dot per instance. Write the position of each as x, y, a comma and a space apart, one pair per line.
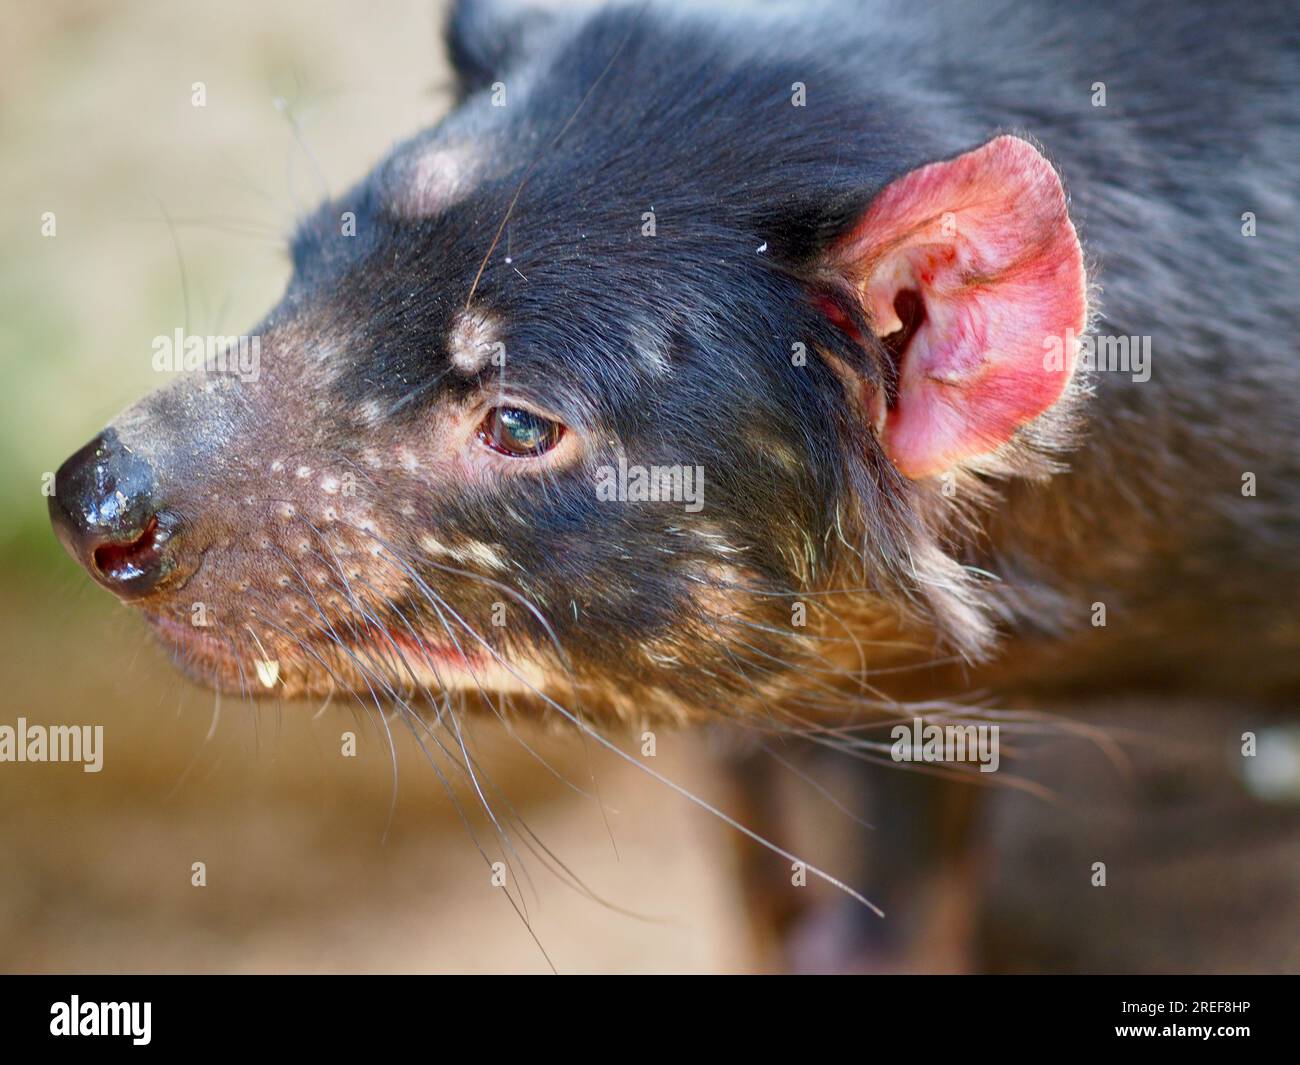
106, 516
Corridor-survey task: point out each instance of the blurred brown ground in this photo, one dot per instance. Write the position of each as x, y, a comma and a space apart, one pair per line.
96, 125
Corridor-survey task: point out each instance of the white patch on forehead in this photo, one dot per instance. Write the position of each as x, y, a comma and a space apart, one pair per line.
472, 341
440, 176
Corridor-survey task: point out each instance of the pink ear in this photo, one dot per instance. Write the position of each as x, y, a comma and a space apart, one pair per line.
986, 242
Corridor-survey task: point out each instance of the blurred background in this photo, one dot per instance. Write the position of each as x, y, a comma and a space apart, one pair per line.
171, 215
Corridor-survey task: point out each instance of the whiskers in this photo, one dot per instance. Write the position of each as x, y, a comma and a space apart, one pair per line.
401, 638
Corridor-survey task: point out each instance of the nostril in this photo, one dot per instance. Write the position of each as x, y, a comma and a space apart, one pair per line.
125, 562
107, 512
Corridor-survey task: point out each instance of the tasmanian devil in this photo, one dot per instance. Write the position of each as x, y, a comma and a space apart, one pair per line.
775, 366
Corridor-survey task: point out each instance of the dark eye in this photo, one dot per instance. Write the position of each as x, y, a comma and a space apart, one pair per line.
521, 434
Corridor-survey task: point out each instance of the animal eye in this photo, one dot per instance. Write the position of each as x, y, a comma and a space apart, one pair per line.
521, 434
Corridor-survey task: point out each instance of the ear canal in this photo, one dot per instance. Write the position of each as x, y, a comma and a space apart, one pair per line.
972, 276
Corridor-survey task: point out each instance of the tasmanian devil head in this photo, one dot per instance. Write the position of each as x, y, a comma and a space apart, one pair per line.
641, 383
